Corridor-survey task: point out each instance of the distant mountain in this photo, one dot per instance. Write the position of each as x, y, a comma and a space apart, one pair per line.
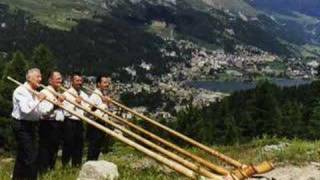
93, 47
284, 32
211, 26
232, 5
307, 7
118, 33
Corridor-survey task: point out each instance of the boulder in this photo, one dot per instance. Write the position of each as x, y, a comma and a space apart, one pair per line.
98, 170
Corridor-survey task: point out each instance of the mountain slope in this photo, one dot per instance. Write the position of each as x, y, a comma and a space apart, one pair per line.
232, 5
214, 26
93, 47
308, 7
210, 27
113, 34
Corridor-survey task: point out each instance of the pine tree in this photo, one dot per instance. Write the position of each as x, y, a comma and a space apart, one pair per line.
231, 130
314, 123
16, 68
268, 114
292, 120
43, 59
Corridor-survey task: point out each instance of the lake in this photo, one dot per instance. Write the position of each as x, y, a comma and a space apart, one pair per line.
233, 86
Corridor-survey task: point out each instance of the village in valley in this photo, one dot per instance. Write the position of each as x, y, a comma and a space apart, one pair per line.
247, 64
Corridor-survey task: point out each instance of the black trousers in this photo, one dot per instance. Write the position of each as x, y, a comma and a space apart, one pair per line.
72, 149
50, 132
25, 167
96, 139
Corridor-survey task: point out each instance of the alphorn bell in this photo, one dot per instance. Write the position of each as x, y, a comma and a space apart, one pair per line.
173, 156
242, 169
171, 164
215, 168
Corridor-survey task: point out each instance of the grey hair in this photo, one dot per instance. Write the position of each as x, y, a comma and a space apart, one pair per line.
31, 71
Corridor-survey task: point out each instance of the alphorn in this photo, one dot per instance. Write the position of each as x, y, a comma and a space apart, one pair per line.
201, 171
171, 164
221, 156
215, 168
242, 169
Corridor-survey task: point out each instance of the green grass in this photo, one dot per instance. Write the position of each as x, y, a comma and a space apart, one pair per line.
56, 13
298, 152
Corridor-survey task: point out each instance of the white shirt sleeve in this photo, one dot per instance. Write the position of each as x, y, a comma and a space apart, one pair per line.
26, 105
85, 98
66, 104
94, 99
45, 108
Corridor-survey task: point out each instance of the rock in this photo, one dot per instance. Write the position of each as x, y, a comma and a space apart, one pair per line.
98, 170
274, 147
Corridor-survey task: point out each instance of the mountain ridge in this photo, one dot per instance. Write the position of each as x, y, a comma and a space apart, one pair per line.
105, 29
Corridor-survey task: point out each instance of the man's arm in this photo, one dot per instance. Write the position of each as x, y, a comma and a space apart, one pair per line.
27, 105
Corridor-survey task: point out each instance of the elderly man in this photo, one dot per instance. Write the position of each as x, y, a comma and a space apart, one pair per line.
97, 137
26, 116
73, 128
50, 128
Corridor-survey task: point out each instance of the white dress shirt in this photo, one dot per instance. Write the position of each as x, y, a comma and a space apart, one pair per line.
25, 104
47, 109
96, 100
70, 106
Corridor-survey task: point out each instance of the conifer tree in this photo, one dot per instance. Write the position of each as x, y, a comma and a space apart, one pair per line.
16, 68
43, 59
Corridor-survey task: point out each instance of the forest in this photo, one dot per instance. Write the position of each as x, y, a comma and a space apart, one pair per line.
267, 110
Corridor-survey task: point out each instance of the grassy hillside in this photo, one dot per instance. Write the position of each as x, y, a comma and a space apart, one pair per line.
59, 14
201, 21
103, 45
295, 152
123, 36
233, 6
308, 7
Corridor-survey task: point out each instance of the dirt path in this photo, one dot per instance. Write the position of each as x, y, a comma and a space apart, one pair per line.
309, 172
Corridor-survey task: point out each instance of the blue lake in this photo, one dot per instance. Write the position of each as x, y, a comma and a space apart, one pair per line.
233, 86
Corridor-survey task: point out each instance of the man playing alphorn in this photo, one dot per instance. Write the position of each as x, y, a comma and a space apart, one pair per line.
73, 127
26, 117
50, 129
95, 136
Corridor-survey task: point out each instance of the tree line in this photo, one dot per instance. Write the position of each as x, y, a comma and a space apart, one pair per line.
292, 112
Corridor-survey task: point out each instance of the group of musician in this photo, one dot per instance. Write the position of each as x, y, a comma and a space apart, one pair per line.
41, 127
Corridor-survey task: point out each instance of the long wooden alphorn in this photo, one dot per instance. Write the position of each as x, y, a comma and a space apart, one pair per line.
221, 156
242, 169
171, 164
200, 170
215, 168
